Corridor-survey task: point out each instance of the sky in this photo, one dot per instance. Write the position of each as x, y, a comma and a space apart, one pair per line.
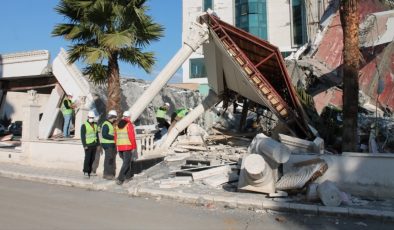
26, 25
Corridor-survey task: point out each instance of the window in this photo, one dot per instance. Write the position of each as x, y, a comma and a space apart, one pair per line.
208, 4
251, 16
197, 68
298, 19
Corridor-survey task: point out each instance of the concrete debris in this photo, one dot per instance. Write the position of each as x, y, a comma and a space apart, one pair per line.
311, 192
278, 194
211, 172
217, 180
192, 147
178, 156
175, 182
329, 194
132, 89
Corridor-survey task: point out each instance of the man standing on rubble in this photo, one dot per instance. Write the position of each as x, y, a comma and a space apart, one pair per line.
177, 116
67, 109
108, 144
90, 141
126, 146
161, 114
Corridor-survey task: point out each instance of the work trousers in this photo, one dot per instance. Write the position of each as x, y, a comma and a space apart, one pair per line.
96, 162
162, 122
110, 161
90, 153
128, 157
67, 125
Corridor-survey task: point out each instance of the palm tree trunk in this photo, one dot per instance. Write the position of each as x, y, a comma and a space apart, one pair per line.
113, 84
350, 24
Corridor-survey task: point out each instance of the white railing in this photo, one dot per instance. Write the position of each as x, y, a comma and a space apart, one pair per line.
145, 143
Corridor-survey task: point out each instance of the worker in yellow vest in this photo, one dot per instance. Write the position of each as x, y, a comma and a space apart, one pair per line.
161, 116
126, 146
90, 141
108, 144
67, 109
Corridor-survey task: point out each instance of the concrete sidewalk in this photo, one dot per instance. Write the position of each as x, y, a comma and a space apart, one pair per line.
193, 195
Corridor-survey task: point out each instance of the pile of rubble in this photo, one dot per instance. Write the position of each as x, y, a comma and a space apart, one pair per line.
197, 161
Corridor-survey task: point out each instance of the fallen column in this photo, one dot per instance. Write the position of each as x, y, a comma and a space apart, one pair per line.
208, 102
199, 34
267, 146
329, 194
256, 175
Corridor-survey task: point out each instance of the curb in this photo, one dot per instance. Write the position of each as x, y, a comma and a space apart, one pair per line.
253, 204
219, 200
52, 180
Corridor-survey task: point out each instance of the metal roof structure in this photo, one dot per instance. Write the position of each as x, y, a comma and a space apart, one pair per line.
253, 68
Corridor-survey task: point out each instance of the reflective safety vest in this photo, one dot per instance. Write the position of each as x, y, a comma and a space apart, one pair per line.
91, 133
66, 111
161, 113
110, 132
181, 112
122, 136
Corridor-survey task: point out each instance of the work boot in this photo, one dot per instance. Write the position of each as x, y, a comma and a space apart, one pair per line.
119, 182
108, 177
93, 174
86, 175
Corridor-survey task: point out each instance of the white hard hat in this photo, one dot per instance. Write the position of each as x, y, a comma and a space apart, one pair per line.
91, 114
113, 113
126, 114
167, 104
190, 109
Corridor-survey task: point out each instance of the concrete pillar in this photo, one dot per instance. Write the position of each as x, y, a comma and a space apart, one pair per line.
80, 117
31, 118
208, 102
269, 147
198, 35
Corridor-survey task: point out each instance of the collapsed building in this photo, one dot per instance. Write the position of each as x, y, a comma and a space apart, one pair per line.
239, 65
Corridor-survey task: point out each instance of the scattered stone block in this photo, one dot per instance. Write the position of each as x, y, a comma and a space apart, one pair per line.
175, 182
217, 180
177, 157
211, 172
329, 194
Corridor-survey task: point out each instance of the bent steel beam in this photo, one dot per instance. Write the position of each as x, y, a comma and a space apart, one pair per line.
198, 35
208, 102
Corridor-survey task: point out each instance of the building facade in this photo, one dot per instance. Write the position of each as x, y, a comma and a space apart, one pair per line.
286, 24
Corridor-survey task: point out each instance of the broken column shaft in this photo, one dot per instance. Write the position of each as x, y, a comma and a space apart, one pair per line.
208, 102
269, 147
198, 35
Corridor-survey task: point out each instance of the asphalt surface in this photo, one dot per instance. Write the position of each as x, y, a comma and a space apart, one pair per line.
29, 205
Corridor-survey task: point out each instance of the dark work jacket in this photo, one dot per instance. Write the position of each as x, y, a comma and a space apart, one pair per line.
83, 137
106, 135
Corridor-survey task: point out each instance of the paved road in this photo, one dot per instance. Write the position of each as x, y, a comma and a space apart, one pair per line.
28, 205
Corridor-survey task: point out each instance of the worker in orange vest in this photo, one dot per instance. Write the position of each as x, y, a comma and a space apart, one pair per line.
126, 146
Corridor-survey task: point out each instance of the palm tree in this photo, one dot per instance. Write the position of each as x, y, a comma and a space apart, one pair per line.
351, 56
104, 32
